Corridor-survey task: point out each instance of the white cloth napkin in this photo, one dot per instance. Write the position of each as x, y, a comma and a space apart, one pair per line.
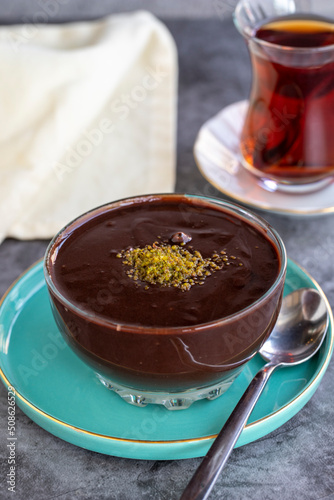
88, 115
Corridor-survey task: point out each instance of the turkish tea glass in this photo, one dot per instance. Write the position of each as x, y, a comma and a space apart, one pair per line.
287, 137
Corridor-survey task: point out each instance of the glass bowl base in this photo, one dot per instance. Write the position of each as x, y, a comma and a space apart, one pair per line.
171, 401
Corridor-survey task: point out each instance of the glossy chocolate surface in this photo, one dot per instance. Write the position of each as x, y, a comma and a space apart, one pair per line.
88, 272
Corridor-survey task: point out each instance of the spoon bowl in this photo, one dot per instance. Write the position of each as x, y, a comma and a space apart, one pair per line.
298, 334
299, 331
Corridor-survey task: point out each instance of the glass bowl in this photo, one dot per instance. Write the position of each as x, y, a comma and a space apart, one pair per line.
167, 364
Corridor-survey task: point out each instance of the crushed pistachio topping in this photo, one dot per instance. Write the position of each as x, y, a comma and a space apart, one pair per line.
170, 265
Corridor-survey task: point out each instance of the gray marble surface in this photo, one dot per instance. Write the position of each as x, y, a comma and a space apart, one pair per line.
295, 462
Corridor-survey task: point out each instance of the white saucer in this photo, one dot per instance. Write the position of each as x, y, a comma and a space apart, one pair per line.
216, 153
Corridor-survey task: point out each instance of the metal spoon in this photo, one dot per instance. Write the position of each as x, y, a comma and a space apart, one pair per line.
297, 336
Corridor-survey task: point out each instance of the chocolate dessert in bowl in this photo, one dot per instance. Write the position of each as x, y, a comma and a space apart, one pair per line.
166, 297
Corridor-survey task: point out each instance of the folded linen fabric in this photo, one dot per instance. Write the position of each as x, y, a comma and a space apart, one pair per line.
88, 114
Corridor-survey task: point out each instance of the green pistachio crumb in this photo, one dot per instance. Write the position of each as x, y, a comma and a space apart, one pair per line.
170, 265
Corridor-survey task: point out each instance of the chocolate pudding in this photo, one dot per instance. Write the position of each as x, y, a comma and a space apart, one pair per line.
170, 327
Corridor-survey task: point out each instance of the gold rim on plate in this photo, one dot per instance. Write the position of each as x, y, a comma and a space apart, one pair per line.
172, 441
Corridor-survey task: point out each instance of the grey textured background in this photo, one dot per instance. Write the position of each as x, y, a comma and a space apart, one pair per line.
296, 462
17, 11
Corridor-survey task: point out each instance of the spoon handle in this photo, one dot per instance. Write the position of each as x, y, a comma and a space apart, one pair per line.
208, 472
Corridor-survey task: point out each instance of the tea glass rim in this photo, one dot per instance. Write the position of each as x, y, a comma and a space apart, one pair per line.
123, 327
249, 36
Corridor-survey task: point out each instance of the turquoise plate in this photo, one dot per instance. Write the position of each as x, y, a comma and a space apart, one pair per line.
62, 395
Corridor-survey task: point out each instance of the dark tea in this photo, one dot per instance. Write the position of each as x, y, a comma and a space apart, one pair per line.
288, 131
